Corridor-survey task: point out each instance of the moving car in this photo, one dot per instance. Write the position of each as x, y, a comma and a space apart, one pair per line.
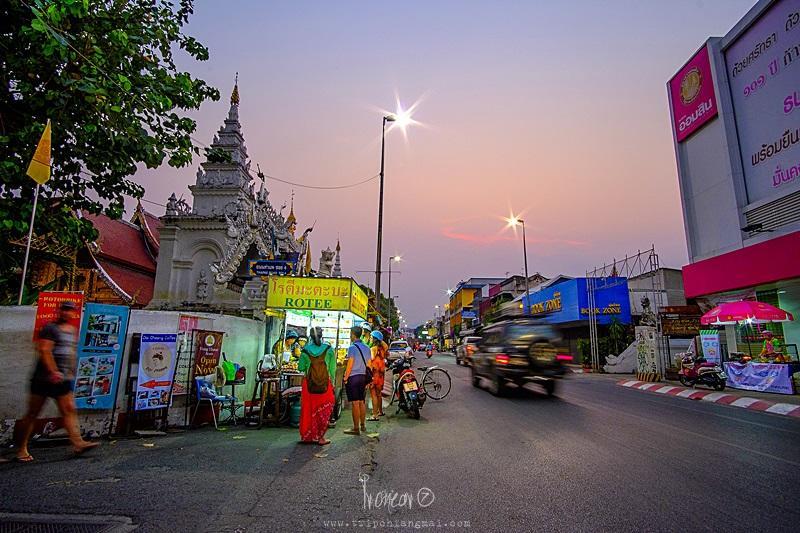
465, 350
398, 349
518, 351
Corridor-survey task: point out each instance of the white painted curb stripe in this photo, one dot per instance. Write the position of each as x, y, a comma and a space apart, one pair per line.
782, 408
744, 402
713, 397
666, 389
686, 393
630, 383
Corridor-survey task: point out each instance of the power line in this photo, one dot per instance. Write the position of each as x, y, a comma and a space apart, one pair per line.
323, 187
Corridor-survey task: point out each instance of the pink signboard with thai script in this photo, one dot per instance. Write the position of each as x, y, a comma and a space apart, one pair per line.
692, 95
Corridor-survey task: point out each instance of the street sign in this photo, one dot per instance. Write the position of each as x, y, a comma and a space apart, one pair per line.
270, 268
469, 314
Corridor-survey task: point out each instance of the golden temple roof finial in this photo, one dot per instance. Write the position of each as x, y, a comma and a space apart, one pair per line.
291, 218
235, 93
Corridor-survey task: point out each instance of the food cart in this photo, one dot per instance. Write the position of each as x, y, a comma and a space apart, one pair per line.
334, 304
771, 370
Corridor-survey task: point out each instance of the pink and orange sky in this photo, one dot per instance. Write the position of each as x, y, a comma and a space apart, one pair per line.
556, 109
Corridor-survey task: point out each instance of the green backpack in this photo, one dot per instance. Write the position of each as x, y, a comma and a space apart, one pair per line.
317, 375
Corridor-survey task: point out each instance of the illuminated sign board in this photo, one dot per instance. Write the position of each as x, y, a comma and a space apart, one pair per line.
324, 294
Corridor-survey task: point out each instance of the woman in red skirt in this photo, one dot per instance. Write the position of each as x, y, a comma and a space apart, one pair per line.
318, 361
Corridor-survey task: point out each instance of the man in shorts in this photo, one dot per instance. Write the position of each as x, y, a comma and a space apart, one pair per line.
53, 378
355, 379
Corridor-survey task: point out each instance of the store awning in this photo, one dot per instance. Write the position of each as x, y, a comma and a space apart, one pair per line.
766, 262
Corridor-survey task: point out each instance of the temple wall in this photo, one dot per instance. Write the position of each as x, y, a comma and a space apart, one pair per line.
243, 343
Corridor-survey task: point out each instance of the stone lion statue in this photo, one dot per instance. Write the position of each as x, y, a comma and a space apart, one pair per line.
326, 263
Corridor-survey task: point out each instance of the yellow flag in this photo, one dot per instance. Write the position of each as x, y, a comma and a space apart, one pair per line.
39, 169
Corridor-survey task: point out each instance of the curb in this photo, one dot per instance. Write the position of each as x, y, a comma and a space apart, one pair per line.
754, 404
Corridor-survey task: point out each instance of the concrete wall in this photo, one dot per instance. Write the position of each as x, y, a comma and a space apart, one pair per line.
243, 343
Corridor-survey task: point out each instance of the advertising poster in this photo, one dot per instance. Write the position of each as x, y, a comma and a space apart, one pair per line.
101, 345
186, 325
709, 339
762, 377
691, 92
157, 357
47, 308
763, 67
209, 348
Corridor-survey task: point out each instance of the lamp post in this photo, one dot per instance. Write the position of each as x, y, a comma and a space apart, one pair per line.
515, 221
386, 118
392, 259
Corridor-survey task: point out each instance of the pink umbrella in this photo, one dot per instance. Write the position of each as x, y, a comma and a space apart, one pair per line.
744, 311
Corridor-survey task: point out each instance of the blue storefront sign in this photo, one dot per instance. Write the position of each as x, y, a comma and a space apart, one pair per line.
270, 268
100, 348
568, 301
468, 314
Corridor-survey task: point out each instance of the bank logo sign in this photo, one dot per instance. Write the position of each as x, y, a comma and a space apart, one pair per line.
692, 96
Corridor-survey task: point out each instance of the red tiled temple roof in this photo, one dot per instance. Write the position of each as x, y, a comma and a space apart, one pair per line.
126, 254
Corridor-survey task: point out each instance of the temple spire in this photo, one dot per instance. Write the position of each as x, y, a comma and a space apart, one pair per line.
337, 266
235, 93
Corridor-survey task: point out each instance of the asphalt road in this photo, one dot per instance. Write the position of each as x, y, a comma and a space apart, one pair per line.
595, 458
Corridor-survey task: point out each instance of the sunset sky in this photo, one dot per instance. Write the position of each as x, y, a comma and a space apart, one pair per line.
554, 109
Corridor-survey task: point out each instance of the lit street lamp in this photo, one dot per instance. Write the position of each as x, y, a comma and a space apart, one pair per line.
515, 221
402, 118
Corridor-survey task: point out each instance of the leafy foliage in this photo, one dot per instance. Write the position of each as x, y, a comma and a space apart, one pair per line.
104, 73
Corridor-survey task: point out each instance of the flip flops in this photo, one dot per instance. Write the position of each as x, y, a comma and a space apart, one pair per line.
373, 419
351, 432
24, 459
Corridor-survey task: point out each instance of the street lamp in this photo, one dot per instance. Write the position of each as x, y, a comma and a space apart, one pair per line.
515, 221
392, 259
386, 118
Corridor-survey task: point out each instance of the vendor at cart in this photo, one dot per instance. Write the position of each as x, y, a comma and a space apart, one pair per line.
288, 344
772, 348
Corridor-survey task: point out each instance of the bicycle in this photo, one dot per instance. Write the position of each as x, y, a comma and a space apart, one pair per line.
436, 382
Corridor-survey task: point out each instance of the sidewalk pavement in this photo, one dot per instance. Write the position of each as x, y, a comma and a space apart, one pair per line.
779, 404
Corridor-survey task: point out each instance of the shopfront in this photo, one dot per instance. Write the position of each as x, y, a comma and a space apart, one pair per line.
334, 304
758, 355
564, 303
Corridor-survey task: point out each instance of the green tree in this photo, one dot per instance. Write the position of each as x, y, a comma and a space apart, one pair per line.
616, 336
104, 73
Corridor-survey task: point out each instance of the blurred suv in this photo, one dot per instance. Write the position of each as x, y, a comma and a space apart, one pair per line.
465, 350
399, 349
518, 351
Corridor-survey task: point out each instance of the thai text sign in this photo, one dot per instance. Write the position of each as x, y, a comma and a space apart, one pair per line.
270, 268
47, 308
100, 348
763, 67
764, 377
209, 348
157, 357
691, 93
646, 349
324, 294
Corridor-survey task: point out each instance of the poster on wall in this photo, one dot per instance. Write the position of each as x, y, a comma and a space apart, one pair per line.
646, 349
763, 67
709, 340
691, 93
209, 348
101, 344
47, 308
157, 357
186, 325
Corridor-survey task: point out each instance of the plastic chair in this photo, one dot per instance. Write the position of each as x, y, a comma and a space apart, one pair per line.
217, 399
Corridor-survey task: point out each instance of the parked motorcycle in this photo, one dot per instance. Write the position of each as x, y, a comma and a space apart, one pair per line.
409, 395
698, 371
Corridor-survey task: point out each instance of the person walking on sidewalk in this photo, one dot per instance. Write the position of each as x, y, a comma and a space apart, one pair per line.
53, 378
318, 362
378, 365
355, 379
